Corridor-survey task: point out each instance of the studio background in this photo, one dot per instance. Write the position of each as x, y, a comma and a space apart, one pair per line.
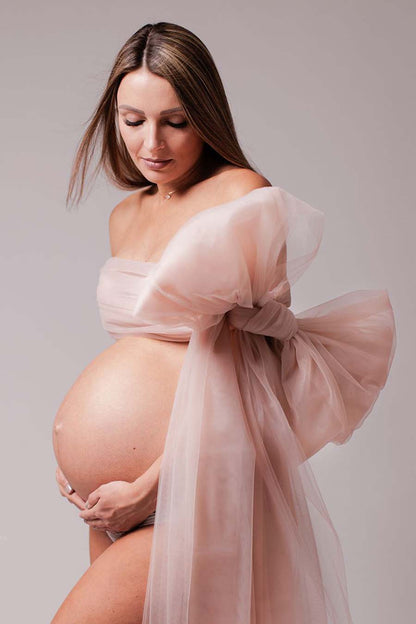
322, 96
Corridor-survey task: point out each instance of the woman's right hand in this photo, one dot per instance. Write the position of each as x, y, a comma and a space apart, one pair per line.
65, 489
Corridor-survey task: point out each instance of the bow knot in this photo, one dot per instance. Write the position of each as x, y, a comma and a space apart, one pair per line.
271, 319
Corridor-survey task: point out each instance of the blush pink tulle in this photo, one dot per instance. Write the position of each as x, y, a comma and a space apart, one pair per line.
242, 535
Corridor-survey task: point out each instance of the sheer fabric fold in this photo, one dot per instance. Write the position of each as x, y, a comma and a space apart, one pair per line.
242, 535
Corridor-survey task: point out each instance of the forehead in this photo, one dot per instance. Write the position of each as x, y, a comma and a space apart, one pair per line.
146, 91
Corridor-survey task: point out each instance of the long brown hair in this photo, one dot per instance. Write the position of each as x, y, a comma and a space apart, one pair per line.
179, 56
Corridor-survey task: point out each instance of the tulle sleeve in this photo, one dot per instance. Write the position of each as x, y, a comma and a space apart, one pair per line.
241, 532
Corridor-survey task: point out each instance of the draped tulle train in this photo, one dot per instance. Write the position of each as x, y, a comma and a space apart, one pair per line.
242, 535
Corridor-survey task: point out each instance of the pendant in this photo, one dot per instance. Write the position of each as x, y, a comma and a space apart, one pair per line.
168, 195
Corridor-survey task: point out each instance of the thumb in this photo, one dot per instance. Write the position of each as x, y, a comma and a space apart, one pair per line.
92, 499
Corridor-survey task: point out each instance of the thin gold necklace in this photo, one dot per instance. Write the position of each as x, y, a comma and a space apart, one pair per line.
167, 195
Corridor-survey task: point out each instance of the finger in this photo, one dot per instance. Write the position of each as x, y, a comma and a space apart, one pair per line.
88, 514
64, 490
103, 529
96, 524
72, 498
77, 500
63, 482
92, 498
87, 509
69, 488
60, 477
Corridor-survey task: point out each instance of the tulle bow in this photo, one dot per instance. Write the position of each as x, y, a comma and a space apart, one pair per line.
272, 319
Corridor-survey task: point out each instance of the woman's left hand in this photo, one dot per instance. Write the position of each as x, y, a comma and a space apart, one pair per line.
117, 506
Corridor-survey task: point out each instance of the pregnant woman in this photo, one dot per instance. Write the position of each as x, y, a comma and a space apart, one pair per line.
185, 443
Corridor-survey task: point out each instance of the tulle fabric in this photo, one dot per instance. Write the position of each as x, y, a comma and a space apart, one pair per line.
242, 535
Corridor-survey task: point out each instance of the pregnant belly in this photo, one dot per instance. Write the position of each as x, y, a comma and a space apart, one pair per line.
113, 422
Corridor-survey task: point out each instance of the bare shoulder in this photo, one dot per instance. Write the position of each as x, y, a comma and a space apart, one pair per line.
127, 205
236, 182
122, 215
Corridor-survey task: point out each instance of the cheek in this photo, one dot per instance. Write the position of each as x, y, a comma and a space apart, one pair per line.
188, 145
130, 139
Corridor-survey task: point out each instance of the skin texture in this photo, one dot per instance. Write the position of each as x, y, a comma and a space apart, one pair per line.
110, 430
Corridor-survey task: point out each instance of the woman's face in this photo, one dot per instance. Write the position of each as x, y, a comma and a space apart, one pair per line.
150, 132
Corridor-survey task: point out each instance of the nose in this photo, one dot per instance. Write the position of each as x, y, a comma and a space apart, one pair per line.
153, 139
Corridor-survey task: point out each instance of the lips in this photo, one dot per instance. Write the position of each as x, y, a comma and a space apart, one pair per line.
156, 165
157, 160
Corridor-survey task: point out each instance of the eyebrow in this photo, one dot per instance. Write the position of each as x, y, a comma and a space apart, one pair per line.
136, 110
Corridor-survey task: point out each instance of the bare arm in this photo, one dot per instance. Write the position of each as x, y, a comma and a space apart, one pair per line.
146, 486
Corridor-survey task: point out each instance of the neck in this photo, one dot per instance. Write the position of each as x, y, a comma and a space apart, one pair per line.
164, 187
164, 190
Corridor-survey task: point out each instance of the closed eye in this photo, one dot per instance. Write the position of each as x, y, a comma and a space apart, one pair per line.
170, 123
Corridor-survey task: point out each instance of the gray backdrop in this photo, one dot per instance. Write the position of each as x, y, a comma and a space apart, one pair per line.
322, 94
